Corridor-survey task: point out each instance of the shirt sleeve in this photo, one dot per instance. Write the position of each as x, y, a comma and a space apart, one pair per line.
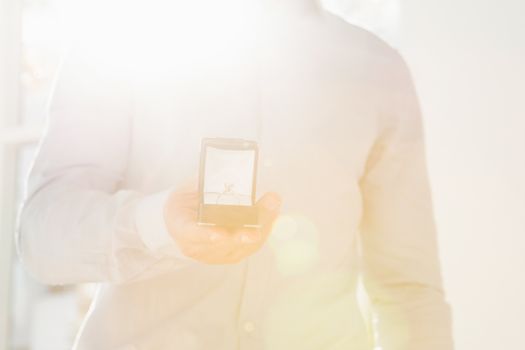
399, 252
78, 223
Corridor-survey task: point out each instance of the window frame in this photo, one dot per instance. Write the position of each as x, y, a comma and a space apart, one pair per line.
12, 137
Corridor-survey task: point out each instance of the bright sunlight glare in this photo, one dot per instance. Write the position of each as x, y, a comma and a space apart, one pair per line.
152, 33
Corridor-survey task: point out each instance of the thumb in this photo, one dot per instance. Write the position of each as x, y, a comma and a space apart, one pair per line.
269, 202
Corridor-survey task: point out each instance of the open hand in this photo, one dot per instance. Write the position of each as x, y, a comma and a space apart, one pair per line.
216, 245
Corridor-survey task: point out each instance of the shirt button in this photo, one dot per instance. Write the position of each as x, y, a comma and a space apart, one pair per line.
248, 327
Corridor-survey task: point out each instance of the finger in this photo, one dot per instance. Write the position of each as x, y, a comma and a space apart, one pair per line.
270, 201
190, 185
248, 236
238, 254
224, 251
195, 234
218, 242
244, 241
189, 199
216, 256
246, 249
269, 206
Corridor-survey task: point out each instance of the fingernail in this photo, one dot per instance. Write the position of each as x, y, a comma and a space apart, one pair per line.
273, 203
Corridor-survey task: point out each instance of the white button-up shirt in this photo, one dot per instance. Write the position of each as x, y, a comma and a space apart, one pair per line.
337, 121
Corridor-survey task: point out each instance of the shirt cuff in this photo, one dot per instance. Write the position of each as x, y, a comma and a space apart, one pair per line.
151, 226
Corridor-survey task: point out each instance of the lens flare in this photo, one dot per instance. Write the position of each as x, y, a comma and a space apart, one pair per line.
295, 243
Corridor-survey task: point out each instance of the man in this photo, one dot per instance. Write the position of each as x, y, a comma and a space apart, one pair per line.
111, 196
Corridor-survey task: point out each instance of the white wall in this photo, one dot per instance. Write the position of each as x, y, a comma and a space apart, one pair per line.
468, 61
9, 94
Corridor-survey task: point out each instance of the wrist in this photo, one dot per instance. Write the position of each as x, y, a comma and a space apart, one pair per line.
153, 227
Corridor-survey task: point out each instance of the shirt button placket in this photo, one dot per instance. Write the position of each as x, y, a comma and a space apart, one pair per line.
256, 278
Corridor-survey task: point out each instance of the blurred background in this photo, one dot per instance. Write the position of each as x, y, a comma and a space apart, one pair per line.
467, 59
